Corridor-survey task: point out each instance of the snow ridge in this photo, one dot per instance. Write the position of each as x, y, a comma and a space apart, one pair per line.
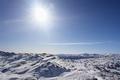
28, 66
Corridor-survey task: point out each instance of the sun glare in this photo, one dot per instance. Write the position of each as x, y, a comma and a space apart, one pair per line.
41, 14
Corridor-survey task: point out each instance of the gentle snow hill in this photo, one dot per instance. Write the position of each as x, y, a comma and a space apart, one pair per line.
25, 66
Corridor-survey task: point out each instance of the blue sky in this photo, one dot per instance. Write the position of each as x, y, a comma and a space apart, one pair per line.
79, 26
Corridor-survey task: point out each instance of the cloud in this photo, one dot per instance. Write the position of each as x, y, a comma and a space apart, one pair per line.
78, 43
13, 21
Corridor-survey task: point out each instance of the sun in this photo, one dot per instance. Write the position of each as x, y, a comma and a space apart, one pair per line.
41, 14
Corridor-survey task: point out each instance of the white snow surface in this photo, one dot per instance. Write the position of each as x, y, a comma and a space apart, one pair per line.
25, 66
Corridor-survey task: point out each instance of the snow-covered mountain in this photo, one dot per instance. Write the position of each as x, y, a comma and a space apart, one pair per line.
25, 66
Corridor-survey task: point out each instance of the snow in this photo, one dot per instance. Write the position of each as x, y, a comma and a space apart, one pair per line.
25, 66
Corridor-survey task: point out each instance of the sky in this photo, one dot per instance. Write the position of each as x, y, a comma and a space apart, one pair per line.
73, 26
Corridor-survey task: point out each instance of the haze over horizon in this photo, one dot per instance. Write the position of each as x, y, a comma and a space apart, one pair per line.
60, 26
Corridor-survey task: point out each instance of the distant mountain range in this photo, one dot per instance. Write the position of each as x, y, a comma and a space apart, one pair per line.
29, 66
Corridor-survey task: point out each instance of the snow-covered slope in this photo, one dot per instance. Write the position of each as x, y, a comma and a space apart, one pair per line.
25, 66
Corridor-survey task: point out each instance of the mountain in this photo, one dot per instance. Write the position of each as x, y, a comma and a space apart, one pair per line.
29, 66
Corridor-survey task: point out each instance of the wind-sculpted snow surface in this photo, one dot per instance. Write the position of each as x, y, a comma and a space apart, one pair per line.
25, 66
28, 66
